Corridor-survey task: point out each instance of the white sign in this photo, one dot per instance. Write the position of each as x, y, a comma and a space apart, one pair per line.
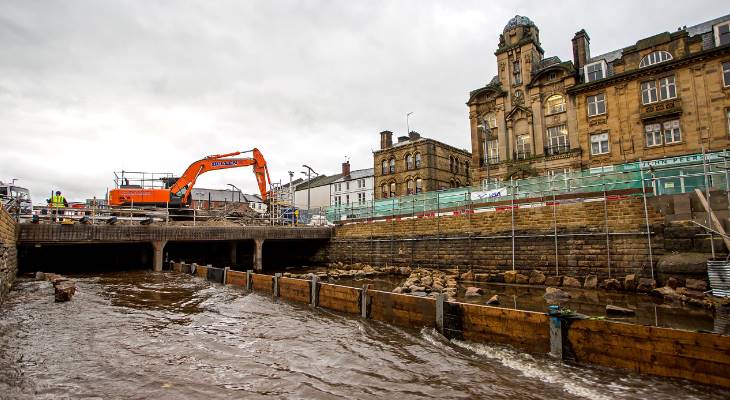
489, 194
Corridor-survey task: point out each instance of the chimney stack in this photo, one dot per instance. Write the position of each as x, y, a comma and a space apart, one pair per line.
346, 169
413, 135
386, 139
581, 49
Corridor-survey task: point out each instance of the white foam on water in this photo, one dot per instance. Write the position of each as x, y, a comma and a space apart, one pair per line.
528, 366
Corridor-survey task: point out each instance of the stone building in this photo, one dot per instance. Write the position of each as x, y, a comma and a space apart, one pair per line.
416, 164
666, 95
521, 122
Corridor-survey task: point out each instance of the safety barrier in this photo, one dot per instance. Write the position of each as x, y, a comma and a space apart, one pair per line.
700, 357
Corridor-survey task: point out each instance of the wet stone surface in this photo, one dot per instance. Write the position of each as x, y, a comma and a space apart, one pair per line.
172, 336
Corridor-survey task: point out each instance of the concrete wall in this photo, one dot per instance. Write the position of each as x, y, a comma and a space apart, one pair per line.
700, 357
483, 241
8, 253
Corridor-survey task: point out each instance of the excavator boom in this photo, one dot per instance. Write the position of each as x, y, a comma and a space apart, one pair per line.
180, 190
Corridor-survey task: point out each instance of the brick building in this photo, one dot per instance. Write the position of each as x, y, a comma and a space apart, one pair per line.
416, 164
666, 95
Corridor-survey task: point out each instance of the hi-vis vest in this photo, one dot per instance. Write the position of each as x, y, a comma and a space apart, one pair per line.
57, 200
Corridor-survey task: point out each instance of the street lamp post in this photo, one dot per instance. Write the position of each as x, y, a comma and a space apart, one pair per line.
237, 189
309, 183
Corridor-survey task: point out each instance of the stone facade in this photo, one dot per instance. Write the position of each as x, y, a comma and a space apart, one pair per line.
483, 242
8, 253
666, 95
415, 164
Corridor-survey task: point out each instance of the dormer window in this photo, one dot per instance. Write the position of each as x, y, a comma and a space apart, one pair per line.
595, 71
722, 33
655, 58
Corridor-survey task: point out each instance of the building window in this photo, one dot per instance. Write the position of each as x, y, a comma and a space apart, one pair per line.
557, 140
726, 74
347, 185
517, 72
524, 150
361, 198
667, 88
347, 199
418, 160
555, 104
668, 131
338, 201
552, 76
419, 185
655, 58
648, 92
518, 96
392, 189
487, 124
595, 71
599, 143
456, 165
392, 165
410, 187
409, 162
384, 190
337, 187
722, 33
596, 104
491, 153
384, 166
466, 168
451, 164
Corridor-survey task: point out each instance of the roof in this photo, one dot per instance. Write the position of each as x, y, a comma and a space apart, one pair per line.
357, 174
518, 20
322, 180
703, 28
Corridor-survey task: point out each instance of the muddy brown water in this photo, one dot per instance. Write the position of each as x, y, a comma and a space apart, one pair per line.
142, 335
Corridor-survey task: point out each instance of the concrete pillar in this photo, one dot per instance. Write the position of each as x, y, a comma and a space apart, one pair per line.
258, 258
233, 255
440, 298
158, 246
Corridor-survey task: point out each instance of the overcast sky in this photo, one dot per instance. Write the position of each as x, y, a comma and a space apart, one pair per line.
92, 87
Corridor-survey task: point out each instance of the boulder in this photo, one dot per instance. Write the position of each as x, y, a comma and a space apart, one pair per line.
415, 288
616, 310
64, 290
398, 290
682, 264
494, 300
537, 278
437, 287
405, 270
482, 277
695, 294
426, 281
510, 276
472, 291
645, 285
665, 292
630, 282
672, 283
467, 276
40, 276
611, 284
555, 294
522, 279
696, 284
569, 281
554, 280
590, 282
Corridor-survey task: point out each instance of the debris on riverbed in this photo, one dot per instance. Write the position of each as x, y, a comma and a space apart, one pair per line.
64, 288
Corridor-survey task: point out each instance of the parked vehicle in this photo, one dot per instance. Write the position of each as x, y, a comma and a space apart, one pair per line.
15, 199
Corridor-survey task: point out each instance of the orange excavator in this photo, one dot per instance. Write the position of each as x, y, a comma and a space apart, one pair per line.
175, 192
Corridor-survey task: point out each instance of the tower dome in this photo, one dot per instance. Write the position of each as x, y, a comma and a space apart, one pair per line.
517, 21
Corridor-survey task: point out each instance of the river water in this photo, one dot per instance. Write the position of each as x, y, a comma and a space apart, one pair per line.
143, 335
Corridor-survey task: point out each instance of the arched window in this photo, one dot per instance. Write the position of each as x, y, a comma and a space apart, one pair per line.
392, 189
392, 165
452, 184
457, 183
419, 185
655, 58
409, 187
555, 104
418, 160
384, 167
384, 190
456, 165
451, 164
466, 168
487, 123
409, 161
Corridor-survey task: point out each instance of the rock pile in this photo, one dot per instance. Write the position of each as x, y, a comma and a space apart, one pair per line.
64, 288
352, 271
424, 282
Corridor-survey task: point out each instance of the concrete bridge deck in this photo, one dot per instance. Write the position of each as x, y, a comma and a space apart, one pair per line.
158, 236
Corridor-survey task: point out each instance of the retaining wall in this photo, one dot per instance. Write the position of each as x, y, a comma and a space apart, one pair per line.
482, 241
700, 357
8, 253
